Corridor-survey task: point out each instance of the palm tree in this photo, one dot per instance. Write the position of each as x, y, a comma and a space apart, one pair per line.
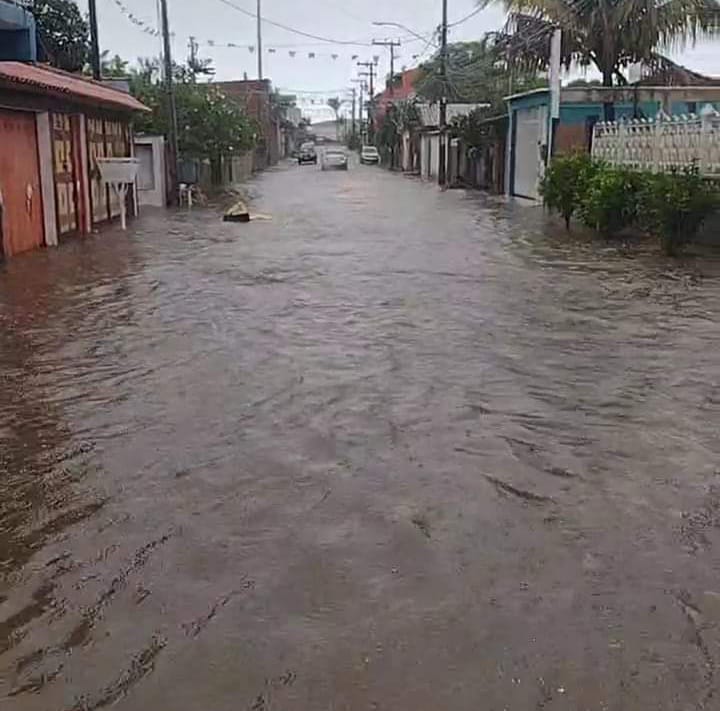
334, 103
610, 34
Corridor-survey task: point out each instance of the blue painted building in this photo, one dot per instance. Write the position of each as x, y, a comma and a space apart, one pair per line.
18, 40
580, 109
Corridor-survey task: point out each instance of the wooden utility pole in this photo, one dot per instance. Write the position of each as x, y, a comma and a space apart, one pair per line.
391, 45
360, 106
172, 109
371, 75
259, 41
442, 123
94, 40
353, 134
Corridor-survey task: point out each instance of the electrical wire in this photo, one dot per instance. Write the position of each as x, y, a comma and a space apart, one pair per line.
478, 9
294, 30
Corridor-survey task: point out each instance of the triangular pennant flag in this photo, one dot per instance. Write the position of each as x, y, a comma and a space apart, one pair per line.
251, 49
376, 58
334, 56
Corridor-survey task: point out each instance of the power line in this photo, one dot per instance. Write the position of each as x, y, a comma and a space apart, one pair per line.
478, 9
294, 30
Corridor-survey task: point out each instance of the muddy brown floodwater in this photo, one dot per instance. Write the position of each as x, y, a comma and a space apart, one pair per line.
392, 449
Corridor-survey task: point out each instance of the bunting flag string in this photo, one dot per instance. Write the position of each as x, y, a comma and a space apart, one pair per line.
145, 26
292, 53
151, 30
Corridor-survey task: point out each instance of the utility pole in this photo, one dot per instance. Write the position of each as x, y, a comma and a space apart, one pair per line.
360, 106
442, 152
371, 74
193, 49
391, 45
259, 41
353, 134
94, 40
172, 109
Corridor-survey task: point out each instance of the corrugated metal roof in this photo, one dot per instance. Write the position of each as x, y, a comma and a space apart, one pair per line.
53, 81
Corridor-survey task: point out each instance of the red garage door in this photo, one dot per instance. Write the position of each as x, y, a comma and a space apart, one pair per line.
21, 210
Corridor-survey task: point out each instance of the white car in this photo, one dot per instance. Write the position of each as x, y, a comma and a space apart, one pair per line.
369, 155
334, 158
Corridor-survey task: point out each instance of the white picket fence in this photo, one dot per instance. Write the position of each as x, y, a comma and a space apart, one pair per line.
661, 144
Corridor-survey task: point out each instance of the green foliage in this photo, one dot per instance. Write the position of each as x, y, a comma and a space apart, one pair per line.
476, 72
610, 35
609, 202
334, 103
674, 206
209, 124
400, 116
565, 183
474, 128
116, 66
63, 33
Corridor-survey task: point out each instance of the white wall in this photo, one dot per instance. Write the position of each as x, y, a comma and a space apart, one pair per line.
47, 179
150, 151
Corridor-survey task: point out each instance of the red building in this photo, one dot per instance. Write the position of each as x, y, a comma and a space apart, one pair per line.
401, 89
52, 127
253, 96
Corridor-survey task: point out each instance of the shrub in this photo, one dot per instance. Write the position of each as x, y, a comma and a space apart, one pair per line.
610, 201
565, 183
674, 206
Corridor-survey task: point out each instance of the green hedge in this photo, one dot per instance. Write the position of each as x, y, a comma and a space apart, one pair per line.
671, 206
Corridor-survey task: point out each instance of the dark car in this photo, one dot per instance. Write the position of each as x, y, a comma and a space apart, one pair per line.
307, 154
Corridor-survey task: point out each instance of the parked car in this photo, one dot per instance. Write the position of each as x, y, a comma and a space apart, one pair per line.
369, 155
307, 154
334, 158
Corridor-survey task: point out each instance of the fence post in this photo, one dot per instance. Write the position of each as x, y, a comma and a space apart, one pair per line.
707, 113
656, 147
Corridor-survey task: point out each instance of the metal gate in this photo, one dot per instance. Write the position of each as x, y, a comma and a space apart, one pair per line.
105, 139
21, 208
528, 132
66, 171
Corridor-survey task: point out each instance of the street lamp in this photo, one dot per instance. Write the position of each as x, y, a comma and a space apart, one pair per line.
402, 27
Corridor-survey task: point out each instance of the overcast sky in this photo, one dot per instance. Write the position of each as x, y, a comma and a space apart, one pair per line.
213, 21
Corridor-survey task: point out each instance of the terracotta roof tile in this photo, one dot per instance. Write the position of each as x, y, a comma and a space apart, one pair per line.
55, 81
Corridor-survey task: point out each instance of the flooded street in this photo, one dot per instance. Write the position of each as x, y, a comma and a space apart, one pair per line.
391, 449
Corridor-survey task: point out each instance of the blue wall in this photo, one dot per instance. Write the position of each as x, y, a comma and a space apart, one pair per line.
17, 34
579, 113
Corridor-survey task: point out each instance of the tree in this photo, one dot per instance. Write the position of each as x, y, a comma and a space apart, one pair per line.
209, 124
334, 103
476, 72
610, 34
115, 67
400, 116
63, 33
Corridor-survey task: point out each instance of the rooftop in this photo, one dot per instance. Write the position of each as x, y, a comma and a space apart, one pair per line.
54, 82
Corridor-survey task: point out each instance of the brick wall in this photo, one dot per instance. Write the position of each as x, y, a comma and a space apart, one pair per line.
571, 137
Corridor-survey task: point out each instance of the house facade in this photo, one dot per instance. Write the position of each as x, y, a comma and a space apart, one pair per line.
253, 96
52, 127
532, 135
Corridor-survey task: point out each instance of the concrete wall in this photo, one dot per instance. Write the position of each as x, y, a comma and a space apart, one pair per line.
429, 155
47, 179
150, 151
17, 34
